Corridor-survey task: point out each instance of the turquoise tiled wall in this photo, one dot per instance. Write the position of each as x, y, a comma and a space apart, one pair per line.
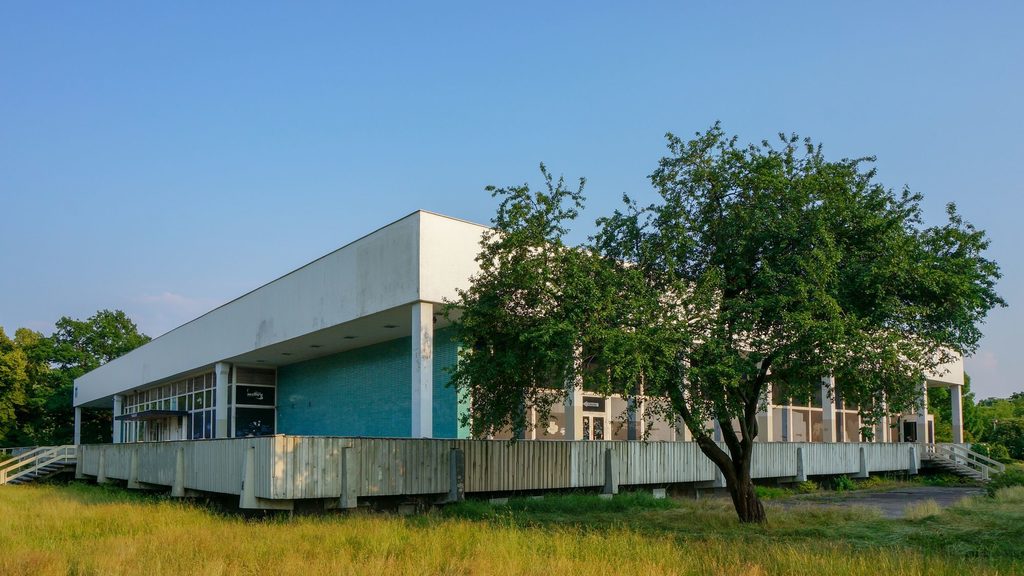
364, 392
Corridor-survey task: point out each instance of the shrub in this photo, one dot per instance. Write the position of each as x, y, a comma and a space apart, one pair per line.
806, 487
843, 483
1012, 477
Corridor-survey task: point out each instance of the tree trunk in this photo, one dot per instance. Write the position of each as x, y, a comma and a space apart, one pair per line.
744, 499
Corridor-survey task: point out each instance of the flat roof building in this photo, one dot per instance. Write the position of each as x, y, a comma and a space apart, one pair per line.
355, 344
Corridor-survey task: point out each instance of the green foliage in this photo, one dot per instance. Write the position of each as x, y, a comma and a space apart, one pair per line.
1011, 477
772, 492
758, 265
993, 451
1008, 433
843, 483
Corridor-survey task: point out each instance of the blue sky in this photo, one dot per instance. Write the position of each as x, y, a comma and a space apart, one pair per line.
163, 158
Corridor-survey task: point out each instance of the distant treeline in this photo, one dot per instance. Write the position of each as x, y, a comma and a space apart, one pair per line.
37, 375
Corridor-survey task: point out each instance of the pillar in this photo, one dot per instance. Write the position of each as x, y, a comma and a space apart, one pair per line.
957, 412
787, 421
574, 412
118, 425
766, 418
882, 432
828, 410
574, 400
422, 416
78, 426
221, 371
922, 414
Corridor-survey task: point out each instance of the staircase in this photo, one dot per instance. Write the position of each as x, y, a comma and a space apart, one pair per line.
960, 460
38, 464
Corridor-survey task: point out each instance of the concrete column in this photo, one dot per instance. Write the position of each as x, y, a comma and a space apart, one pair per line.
221, 370
787, 421
922, 414
422, 370
882, 433
828, 410
78, 426
118, 407
574, 401
766, 418
957, 412
574, 412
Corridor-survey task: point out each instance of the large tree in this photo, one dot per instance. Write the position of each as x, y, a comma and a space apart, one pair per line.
762, 265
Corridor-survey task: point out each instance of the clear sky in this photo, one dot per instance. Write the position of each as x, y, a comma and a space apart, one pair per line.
166, 157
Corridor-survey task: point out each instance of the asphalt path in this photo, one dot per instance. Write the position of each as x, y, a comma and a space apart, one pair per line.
892, 503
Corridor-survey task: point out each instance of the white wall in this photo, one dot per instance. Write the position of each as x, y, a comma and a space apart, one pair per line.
448, 249
372, 274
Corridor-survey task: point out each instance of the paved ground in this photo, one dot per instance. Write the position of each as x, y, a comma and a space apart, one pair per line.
890, 502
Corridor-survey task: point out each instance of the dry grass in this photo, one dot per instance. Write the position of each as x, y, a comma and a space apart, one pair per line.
88, 530
922, 510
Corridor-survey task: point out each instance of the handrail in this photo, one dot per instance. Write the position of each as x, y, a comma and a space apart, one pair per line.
35, 460
968, 453
16, 450
963, 456
18, 460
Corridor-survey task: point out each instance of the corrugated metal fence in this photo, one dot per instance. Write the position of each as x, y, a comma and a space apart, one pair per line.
301, 467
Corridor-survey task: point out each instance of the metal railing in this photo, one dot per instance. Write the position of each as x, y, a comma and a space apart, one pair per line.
35, 460
962, 456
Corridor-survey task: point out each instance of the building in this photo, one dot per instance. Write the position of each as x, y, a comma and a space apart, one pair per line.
355, 344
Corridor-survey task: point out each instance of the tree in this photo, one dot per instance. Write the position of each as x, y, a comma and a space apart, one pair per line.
37, 376
78, 347
763, 265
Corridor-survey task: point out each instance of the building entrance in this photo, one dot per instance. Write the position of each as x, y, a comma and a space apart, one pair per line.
593, 427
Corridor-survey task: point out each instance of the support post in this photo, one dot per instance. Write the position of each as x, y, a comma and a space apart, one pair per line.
133, 471
101, 474
78, 426
828, 410
221, 371
117, 424
178, 488
349, 479
957, 412
862, 472
801, 473
422, 370
912, 465
457, 475
611, 473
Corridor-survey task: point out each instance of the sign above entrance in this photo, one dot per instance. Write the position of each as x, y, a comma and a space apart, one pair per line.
254, 395
593, 404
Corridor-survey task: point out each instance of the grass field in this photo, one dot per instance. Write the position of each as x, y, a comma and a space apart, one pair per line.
83, 529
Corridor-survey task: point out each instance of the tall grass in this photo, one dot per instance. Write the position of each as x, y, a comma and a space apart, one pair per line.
81, 529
